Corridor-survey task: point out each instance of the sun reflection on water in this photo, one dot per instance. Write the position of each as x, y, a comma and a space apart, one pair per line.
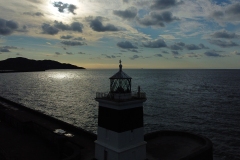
62, 75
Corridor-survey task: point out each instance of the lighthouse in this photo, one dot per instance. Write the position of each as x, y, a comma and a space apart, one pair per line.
120, 133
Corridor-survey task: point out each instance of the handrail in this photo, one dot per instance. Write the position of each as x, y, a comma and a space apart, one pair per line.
139, 95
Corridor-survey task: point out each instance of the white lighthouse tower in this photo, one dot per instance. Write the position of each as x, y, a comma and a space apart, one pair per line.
120, 121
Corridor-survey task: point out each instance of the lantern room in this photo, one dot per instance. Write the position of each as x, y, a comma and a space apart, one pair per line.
120, 82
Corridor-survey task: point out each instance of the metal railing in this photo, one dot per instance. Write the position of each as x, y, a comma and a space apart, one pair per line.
140, 95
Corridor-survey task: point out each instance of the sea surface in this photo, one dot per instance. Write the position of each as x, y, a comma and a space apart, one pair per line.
205, 102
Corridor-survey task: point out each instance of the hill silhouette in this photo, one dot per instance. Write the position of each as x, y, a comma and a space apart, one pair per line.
21, 64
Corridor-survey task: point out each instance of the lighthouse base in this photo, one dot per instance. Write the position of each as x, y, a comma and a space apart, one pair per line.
105, 152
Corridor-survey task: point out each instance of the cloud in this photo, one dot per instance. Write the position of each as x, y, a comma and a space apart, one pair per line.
126, 45
175, 47
72, 43
158, 55
57, 53
236, 53
175, 53
234, 9
180, 44
79, 39
134, 57
213, 54
96, 25
75, 26
65, 6
38, 14
66, 37
48, 29
223, 44
192, 47
165, 52
159, 43
8, 47
4, 50
157, 19
193, 55
7, 27
129, 13
202, 46
81, 53
110, 57
164, 4
224, 34
69, 53
230, 13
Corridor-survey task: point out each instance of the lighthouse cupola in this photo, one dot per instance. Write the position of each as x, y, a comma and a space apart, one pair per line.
120, 84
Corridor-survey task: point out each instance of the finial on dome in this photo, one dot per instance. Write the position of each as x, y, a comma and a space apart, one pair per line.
120, 65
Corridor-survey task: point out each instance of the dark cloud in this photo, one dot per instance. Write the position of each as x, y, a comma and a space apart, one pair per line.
175, 53
110, 57
175, 47
66, 37
213, 54
217, 14
7, 27
126, 45
57, 53
234, 9
4, 50
73, 43
62, 7
79, 39
125, 1
192, 47
157, 19
165, 52
48, 29
158, 55
237, 53
71, 8
61, 26
223, 44
193, 55
180, 44
9, 47
203, 46
96, 25
134, 57
23, 29
232, 13
38, 14
224, 34
159, 43
75, 26
69, 53
129, 13
81, 53
133, 50
164, 4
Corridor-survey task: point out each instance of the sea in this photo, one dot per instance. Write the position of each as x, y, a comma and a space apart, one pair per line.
204, 102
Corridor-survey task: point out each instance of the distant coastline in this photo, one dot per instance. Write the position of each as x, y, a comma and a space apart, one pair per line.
21, 64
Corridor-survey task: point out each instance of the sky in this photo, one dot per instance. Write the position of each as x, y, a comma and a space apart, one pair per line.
154, 34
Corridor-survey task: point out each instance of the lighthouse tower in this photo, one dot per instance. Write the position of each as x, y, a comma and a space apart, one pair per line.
120, 121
